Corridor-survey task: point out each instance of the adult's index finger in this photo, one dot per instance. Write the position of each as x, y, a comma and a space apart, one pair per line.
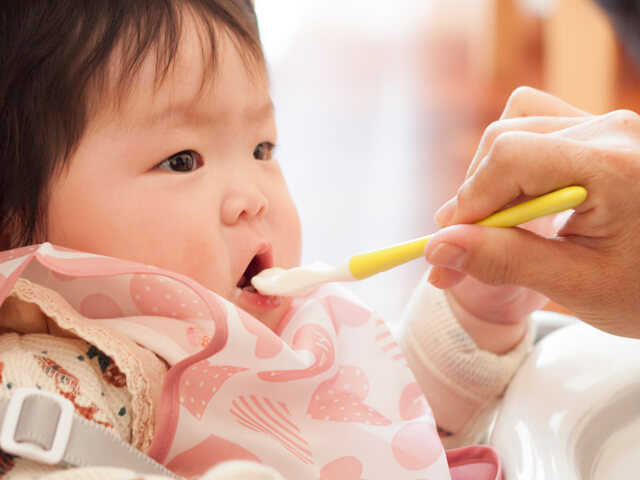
529, 102
520, 164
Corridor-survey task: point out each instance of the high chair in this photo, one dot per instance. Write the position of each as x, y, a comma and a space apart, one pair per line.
571, 412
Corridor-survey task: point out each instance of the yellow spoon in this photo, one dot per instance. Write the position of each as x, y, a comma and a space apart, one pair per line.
300, 280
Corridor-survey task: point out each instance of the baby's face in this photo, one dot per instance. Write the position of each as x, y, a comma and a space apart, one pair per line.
183, 179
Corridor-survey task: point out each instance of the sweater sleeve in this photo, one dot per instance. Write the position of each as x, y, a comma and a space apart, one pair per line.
462, 383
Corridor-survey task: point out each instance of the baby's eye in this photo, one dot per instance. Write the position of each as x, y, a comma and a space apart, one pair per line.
185, 161
264, 151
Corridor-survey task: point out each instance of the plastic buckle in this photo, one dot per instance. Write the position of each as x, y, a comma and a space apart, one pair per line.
29, 450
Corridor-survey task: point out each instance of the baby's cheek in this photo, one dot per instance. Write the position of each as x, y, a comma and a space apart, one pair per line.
73, 225
205, 267
291, 235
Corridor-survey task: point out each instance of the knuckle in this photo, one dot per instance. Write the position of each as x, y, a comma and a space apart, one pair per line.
492, 132
617, 162
624, 119
522, 95
497, 161
501, 146
523, 91
496, 269
465, 194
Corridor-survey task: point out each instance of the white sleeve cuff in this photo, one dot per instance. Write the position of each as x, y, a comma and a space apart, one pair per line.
461, 382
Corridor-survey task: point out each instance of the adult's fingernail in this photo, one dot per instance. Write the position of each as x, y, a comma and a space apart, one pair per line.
434, 276
445, 213
448, 255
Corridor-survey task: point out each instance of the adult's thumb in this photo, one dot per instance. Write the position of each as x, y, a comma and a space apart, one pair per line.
513, 256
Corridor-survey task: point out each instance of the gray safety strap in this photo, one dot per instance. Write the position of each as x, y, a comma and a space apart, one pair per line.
41, 426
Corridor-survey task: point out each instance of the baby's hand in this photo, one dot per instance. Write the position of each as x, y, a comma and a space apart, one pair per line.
494, 316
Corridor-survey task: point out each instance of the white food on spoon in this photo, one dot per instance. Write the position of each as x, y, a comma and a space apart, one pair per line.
299, 281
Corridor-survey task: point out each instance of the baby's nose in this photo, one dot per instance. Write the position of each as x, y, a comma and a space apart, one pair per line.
243, 205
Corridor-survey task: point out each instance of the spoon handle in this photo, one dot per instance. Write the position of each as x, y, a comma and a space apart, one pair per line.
366, 264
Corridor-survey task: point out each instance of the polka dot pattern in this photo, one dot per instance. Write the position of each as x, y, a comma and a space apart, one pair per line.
16, 253
341, 399
158, 295
201, 382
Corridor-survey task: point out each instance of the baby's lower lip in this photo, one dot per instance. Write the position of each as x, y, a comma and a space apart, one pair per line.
258, 301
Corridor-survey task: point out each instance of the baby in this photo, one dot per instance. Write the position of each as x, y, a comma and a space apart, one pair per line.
145, 131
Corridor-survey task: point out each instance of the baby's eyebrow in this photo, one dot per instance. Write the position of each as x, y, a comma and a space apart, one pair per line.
264, 111
190, 114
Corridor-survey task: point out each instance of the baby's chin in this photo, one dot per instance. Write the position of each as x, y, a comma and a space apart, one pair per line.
268, 309
272, 318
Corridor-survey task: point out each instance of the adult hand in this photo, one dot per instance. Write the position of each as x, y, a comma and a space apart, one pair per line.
592, 265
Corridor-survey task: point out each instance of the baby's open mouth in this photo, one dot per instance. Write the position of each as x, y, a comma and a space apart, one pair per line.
258, 263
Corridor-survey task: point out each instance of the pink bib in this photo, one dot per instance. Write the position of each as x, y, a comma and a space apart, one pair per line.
329, 396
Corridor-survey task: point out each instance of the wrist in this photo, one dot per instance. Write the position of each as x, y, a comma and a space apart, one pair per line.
498, 338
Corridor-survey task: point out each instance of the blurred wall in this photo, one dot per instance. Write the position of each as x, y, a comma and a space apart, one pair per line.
380, 106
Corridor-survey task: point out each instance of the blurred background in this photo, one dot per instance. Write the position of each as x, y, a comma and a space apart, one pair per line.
381, 104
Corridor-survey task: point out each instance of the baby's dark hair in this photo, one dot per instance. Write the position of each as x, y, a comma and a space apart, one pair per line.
625, 16
56, 65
